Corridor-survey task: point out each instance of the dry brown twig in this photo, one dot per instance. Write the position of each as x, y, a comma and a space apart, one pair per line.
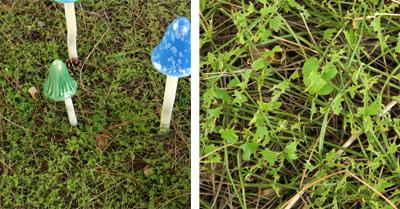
353, 137
87, 58
290, 203
371, 17
206, 155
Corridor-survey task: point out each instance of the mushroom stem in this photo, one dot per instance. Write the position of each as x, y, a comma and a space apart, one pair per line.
169, 98
71, 112
71, 28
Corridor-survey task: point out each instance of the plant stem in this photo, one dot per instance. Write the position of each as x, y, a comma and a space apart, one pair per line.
169, 98
71, 28
71, 112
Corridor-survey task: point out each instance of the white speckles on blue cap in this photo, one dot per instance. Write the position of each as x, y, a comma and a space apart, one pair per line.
67, 1
173, 55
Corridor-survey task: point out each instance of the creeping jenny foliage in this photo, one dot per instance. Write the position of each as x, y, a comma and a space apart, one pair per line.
284, 84
116, 157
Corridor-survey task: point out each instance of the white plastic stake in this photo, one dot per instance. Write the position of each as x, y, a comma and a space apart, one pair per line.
71, 112
71, 28
169, 98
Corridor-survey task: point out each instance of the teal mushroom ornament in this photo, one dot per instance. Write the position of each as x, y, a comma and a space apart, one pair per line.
60, 86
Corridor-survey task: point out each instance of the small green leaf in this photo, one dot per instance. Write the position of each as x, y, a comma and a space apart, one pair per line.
337, 104
270, 156
240, 98
214, 112
375, 1
283, 85
203, 5
209, 95
327, 89
232, 83
370, 110
119, 59
214, 156
328, 33
258, 118
376, 24
397, 48
249, 148
290, 150
294, 75
259, 63
309, 66
275, 23
251, 8
329, 71
229, 135
262, 133
263, 1
314, 82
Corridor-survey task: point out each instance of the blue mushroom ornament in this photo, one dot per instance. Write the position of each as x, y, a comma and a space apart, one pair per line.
172, 57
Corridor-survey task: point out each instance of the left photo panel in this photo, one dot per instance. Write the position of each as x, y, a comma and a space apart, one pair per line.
95, 104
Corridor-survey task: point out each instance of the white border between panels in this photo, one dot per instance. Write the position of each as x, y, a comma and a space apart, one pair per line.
195, 106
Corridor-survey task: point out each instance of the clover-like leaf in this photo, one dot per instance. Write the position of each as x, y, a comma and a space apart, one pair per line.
309, 66
329, 71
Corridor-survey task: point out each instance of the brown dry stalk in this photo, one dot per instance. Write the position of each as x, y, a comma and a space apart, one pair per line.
216, 150
105, 191
16, 206
204, 19
291, 42
372, 188
372, 16
353, 137
16, 124
290, 203
117, 174
312, 152
87, 58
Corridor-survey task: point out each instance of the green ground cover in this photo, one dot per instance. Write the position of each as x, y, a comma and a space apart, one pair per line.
284, 86
116, 157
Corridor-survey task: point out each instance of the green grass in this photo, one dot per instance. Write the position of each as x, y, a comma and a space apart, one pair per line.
46, 163
283, 87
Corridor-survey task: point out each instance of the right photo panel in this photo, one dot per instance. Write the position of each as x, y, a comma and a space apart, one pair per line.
299, 104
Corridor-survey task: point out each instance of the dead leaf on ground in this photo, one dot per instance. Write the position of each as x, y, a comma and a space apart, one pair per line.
256, 55
146, 170
102, 140
270, 192
33, 92
40, 23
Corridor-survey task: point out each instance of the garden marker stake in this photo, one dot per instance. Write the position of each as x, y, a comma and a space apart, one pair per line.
59, 86
71, 27
172, 57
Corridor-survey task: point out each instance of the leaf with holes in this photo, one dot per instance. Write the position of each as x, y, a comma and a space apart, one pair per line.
215, 157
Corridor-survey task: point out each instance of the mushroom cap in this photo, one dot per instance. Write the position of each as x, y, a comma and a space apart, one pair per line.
59, 84
67, 1
173, 55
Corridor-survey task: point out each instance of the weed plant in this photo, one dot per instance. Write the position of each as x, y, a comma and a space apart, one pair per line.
116, 157
283, 86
